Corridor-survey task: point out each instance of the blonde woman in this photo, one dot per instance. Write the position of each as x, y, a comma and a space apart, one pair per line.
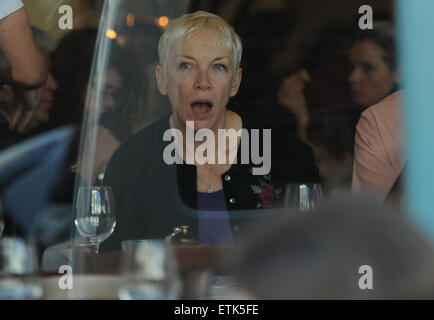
199, 71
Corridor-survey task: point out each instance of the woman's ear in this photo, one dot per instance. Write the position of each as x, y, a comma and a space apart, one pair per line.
161, 83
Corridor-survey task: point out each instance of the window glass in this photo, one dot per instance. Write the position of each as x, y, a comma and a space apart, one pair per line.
192, 120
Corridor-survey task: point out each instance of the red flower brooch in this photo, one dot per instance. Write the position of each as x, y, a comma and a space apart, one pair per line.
266, 192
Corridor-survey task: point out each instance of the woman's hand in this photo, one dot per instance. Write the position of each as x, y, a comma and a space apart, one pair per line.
24, 105
292, 97
291, 93
17, 106
7, 102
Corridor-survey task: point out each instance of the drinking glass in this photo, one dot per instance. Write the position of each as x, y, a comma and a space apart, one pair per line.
18, 270
149, 271
95, 213
303, 197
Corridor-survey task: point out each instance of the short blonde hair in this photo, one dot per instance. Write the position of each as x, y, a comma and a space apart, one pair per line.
186, 25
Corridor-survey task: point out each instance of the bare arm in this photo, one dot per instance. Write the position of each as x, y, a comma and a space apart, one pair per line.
28, 68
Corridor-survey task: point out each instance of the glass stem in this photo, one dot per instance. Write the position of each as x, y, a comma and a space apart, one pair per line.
95, 242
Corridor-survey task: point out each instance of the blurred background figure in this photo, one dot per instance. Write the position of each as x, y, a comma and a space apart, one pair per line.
379, 148
60, 102
320, 81
20, 219
116, 115
26, 69
372, 77
12, 105
128, 100
122, 110
330, 133
71, 65
318, 256
374, 73
379, 151
270, 50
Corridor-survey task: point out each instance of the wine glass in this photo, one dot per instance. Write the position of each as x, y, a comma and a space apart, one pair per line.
18, 270
95, 213
304, 197
149, 271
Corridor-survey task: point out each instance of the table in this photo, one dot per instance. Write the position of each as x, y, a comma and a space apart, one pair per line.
98, 276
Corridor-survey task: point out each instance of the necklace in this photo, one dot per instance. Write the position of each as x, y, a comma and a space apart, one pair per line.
209, 188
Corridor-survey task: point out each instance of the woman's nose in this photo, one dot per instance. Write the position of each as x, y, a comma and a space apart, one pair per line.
203, 82
51, 83
355, 75
54, 84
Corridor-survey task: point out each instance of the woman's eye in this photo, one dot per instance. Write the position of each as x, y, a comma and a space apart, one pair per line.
367, 67
220, 67
184, 65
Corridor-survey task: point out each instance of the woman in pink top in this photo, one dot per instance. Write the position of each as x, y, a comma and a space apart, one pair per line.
378, 149
373, 77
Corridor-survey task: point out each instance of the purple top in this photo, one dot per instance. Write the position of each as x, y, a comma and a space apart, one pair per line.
214, 226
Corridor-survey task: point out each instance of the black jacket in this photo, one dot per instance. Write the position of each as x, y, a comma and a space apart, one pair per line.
152, 197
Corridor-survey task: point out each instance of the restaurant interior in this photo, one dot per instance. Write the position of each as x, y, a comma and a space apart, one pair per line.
329, 101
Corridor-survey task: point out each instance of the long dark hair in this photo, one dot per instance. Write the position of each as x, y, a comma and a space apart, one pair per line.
71, 63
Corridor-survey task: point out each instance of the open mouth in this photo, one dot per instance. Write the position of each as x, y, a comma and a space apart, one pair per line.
201, 108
